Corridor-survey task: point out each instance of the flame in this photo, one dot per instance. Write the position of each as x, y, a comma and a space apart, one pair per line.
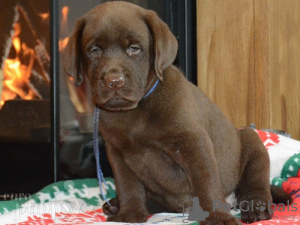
63, 43
16, 75
44, 16
64, 28
65, 12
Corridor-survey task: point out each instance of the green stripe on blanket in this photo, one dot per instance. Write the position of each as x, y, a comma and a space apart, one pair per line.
64, 190
71, 202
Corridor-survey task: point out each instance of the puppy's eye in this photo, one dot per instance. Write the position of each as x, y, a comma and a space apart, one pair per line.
95, 50
133, 49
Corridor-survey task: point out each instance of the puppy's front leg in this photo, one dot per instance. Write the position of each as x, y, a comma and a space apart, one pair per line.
196, 155
130, 191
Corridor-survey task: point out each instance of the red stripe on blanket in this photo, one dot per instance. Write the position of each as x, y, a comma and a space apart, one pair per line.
88, 217
267, 138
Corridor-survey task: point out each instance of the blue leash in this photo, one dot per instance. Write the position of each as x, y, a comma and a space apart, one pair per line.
97, 153
100, 176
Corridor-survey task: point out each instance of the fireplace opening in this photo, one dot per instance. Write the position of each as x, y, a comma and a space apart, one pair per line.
25, 148
25, 80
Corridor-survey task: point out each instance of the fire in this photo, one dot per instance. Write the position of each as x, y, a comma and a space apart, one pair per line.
63, 43
64, 28
16, 75
44, 16
65, 12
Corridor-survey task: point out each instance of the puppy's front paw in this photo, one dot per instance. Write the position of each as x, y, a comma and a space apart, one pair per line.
129, 217
221, 218
256, 210
112, 208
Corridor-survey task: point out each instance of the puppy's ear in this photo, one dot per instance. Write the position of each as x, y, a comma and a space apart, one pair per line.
164, 43
72, 53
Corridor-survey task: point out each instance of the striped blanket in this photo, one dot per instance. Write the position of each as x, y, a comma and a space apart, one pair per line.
79, 201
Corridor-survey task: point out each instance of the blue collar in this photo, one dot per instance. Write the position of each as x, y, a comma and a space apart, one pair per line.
152, 89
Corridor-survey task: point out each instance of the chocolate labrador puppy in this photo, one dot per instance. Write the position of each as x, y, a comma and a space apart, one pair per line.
165, 140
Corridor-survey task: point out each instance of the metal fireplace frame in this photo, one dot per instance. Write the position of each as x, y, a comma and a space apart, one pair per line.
54, 88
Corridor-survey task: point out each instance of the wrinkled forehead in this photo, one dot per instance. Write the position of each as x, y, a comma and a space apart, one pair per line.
112, 25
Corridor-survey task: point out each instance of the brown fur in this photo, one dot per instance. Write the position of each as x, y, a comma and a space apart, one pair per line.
175, 143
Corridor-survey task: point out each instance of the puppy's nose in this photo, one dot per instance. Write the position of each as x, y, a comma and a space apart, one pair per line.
115, 81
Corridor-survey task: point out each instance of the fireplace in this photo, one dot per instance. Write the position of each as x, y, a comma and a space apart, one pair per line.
25, 109
45, 121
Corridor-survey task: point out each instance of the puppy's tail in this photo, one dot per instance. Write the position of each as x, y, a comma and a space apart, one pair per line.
279, 196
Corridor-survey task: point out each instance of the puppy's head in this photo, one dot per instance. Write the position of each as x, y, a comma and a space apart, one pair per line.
122, 49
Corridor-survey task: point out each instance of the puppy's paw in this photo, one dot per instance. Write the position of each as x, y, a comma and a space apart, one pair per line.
221, 218
255, 210
112, 208
129, 217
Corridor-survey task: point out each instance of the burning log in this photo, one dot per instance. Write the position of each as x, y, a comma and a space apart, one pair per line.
18, 75
41, 55
25, 71
37, 80
6, 24
43, 59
